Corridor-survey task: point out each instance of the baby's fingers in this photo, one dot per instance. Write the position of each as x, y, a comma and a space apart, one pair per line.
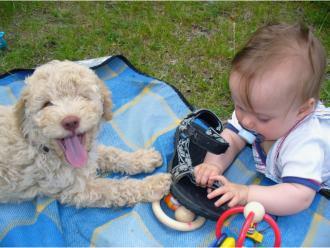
234, 202
216, 192
205, 177
223, 199
198, 172
221, 179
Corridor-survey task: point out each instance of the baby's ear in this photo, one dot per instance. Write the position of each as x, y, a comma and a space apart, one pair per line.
19, 108
307, 107
107, 103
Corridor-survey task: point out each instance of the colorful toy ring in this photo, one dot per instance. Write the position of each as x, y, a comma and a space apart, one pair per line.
253, 212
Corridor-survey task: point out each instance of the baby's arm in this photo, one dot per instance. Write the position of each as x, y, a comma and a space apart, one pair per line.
279, 199
283, 198
216, 164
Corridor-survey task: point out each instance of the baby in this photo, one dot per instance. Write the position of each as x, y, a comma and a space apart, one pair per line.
275, 83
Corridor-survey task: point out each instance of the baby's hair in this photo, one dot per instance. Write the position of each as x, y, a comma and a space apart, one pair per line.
273, 44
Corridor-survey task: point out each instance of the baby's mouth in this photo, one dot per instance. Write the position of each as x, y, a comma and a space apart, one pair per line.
74, 149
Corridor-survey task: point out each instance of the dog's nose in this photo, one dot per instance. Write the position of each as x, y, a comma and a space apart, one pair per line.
70, 123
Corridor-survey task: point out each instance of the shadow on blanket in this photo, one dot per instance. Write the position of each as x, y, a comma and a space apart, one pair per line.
146, 113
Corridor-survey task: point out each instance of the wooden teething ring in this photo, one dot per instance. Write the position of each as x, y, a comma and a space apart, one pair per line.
174, 224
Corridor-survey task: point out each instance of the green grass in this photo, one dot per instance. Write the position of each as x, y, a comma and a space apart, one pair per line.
187, 44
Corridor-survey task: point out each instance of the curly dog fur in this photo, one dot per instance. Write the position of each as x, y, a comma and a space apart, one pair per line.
47, 144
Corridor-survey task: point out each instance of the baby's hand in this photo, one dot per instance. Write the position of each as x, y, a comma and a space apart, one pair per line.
234, 194
204, 172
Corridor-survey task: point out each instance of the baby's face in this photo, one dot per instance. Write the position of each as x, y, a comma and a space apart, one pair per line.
275, 109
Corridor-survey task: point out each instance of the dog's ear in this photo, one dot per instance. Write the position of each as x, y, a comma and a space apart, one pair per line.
107, 103
19, 108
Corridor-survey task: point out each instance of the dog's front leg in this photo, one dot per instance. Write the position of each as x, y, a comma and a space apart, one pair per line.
116, 160
104, 192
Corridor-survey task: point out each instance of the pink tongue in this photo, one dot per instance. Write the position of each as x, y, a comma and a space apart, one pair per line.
75, 152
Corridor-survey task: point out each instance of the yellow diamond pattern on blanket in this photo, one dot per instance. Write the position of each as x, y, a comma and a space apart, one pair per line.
319, 227
161, 121
39, 205
111, 73
107, 72
132, 219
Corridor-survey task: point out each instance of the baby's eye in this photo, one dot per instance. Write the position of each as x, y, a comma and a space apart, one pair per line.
264, 120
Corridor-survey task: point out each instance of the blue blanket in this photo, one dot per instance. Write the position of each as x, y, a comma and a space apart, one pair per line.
146, 113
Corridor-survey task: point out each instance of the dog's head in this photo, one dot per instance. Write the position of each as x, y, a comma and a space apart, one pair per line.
61, 108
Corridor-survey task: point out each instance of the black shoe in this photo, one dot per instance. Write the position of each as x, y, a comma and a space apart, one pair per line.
197, 134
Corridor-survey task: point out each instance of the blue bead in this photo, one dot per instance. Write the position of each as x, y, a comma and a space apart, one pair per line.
217, 242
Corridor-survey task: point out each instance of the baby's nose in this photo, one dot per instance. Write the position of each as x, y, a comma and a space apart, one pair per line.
70, 123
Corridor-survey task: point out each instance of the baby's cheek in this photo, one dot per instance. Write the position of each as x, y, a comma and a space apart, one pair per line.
270, 133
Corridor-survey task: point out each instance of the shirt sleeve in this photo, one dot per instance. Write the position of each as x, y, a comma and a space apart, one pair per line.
302, 160
233, 124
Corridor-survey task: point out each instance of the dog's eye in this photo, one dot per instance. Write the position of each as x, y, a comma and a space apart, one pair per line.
85, 97
46, 104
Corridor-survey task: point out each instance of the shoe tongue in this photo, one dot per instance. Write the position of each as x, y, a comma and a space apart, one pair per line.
75, 152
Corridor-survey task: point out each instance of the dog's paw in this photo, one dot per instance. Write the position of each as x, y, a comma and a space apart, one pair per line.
157, 186
148, 159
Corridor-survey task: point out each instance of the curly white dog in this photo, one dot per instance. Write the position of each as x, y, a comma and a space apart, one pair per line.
47, 144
